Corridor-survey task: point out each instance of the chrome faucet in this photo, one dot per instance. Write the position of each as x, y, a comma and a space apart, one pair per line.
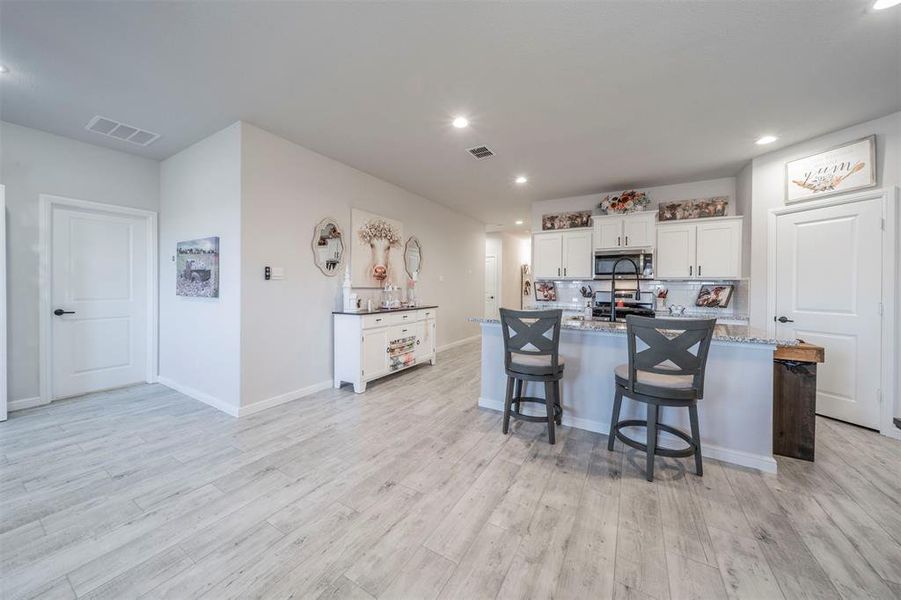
613, 285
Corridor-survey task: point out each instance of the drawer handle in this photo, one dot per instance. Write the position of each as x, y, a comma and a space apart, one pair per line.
405, 316
377, 320
403, 331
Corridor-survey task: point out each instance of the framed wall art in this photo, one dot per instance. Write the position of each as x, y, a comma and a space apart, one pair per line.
842, 169
377, 255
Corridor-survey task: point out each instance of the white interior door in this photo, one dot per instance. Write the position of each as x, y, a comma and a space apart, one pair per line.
3, 381
99, 299
828, 292
491, 287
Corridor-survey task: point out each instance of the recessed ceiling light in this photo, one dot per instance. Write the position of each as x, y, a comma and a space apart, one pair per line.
4, 69
883, 4
461, 122
521, 179
769, 139
519, 222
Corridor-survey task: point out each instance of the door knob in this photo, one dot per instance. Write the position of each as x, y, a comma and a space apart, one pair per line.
784, 320
60, 312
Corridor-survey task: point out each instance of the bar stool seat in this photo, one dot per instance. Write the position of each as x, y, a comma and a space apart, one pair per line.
534, 364
646, 381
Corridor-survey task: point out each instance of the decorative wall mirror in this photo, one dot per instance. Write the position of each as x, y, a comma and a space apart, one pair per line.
328, 247
413, 257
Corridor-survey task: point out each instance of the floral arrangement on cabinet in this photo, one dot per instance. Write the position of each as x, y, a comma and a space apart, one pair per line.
627, 202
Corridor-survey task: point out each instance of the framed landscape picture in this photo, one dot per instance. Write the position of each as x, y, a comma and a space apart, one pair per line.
846, 168
197, 266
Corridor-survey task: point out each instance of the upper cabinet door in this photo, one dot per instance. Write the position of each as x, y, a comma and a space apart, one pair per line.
639, 230
608, 233
675, 251
577, 254
547, 255
719, 249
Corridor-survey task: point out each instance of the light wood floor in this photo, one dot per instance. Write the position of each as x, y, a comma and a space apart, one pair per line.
410, 491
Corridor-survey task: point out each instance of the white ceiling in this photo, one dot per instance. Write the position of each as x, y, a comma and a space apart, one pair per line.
581, 97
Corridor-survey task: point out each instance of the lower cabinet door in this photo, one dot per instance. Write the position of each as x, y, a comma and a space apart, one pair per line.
375, 353
425, 345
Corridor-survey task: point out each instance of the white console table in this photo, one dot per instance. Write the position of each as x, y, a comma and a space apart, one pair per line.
370, 345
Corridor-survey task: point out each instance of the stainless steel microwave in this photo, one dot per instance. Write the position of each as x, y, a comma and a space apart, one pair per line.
604, 264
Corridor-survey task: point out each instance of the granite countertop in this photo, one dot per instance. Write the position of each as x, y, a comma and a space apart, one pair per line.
722, 333
382, 310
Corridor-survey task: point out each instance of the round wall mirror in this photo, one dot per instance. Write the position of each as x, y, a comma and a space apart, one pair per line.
328, 247
413, 257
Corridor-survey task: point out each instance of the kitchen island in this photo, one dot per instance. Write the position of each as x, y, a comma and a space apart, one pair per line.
736, 414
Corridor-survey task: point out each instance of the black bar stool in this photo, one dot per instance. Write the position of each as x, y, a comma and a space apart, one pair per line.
532, 353
669, 372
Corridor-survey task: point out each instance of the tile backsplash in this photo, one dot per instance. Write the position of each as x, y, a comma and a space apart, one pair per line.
569, 296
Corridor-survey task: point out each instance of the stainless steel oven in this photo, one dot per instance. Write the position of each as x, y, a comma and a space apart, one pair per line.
603, 266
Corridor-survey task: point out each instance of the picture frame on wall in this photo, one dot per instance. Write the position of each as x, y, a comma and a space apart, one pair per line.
545, 291
839, 170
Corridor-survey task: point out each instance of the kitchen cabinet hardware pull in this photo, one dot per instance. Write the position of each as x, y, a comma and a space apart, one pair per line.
627, 240
699, 270
617, 240
689, 270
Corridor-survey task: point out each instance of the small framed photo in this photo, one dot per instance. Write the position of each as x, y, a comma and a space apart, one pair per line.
545, 291
714, 296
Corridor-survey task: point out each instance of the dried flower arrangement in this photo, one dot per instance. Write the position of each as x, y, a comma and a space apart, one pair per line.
627, 202
378, 229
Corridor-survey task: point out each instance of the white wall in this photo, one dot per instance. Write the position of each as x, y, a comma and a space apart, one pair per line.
663, 193
33, 162
286, 325
768, 192
200, 338
743, 200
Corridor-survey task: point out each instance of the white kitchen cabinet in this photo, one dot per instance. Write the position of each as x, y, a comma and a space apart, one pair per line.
699, 249
560, 255
371, 345
547, 255
719, 249
608, 233
675, 255
577, 255
615, 232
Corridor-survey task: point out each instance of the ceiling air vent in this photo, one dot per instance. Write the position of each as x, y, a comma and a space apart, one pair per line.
481, 152
121, 131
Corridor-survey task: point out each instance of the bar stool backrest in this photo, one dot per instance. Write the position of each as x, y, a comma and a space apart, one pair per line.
533, 333
674, 347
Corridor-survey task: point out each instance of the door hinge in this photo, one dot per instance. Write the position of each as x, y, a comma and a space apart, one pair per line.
881, 309
883, 224
879, 394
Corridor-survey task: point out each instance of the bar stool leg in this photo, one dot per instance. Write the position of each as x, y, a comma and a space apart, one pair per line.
652, 438
518, 385
549, 401
558, 398
617, 404
508, 400
696, 437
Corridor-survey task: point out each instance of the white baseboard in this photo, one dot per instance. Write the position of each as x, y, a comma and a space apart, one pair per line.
283, 398
459, 343
892, 432
200, 396
23, 403
767, 464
